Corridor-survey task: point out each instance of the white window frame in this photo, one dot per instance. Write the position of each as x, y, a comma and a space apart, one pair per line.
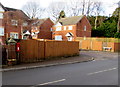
25, 24
85, 28
14, 22
65, 28
58, 37
1, 15
1, 31
14, 35
58, 28
70, 27
51, 29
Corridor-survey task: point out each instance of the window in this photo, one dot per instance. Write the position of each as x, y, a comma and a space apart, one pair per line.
1, 15
64, 27
14, 22
35, 28
1, 31
70, 28
51, 29
58, 37
84, 28
25, 24
14, 35
58, 29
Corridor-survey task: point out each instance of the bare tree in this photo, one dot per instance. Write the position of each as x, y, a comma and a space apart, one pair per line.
74, 8
54, 10
89, 8
33, 9
77, 7
83, 7
97, 10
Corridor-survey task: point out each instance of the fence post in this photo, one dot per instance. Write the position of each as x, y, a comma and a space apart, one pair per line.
44, 49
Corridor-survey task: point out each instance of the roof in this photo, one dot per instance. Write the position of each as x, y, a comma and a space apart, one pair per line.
70, 20
69, 34
13, 9
7, 8
10, 9
39, 21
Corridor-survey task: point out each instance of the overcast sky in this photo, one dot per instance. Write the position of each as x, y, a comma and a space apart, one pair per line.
109, 5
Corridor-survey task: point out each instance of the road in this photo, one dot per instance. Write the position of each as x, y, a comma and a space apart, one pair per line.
97, 72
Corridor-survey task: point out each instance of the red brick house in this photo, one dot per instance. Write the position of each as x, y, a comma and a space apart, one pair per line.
41, 28
71, 27
13, 23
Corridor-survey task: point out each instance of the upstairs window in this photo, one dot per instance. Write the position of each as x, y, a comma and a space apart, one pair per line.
70, 28
51, 29
25, 24
1, 15
14, 35
84, 28
58, 29
14, 22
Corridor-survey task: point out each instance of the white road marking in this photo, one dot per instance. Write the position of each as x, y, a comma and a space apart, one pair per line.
52, 82
101, 71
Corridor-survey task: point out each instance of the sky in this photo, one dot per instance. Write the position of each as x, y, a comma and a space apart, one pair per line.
109, 5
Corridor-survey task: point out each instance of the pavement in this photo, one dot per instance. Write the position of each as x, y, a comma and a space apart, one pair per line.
48, 63
84, 56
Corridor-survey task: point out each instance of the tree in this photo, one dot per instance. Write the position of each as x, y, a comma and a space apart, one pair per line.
62, 15
76, 7
98, 9
83, 7
116, 13
33, 9
107, 29
54, 9
90, 7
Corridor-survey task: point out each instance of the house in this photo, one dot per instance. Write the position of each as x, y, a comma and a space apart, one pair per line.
41, 28
13, 23
71, 27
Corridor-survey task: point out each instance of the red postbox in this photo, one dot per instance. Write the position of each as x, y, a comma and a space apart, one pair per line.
17, 47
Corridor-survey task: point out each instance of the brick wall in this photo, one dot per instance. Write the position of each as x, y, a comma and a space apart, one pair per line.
14, 15
80, 28
45, 30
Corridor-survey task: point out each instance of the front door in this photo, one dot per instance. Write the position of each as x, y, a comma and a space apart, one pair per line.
70, 38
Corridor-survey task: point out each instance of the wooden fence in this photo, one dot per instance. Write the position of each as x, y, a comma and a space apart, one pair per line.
99, 44
31, 50
8, 53
35, 50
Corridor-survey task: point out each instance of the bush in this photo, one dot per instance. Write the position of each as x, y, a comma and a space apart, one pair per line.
117, 35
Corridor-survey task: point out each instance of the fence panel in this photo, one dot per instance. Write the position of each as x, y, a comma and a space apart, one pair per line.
35, 50
31, 50
96, 45
91, 43
61, 48
86, 44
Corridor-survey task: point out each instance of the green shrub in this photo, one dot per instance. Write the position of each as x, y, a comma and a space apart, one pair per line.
117, 35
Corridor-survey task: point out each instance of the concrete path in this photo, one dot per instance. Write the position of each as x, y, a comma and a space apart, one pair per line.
84, 56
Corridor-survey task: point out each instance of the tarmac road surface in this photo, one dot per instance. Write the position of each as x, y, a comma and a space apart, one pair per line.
97, 72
